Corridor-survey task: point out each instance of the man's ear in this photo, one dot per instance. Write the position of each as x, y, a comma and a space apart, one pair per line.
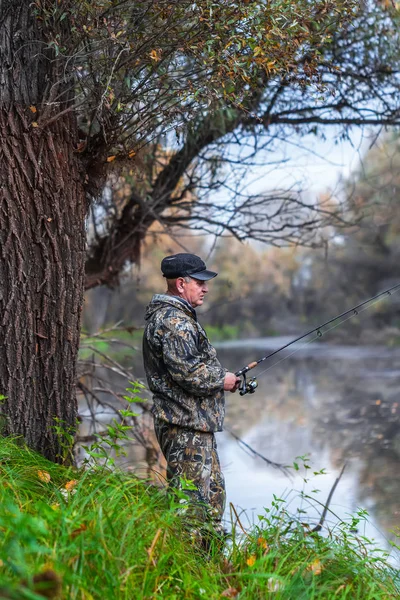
179, 284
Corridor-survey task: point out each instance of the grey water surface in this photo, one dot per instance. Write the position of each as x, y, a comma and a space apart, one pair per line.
331, 404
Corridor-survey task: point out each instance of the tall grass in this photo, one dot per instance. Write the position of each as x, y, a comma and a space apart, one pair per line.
109, 535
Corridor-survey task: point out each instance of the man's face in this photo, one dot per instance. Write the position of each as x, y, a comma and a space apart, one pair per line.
193, 290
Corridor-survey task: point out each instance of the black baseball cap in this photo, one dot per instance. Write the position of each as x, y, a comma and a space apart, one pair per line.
185, 265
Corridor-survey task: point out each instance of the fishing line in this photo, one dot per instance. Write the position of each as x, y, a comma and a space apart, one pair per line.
317, 337
249, 387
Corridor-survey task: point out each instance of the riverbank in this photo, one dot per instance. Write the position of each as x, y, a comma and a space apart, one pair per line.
119, 343
100, 534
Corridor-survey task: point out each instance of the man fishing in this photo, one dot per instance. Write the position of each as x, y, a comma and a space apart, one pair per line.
188, 384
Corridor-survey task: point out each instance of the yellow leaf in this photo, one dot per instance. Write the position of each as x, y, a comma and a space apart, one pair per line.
35, 124
33, 109
315, 567
251, 560
55, 506
131, 154
155, 55
263, 543
44, 476
70, 484
111, 158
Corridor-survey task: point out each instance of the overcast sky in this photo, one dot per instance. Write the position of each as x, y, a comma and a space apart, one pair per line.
317, 164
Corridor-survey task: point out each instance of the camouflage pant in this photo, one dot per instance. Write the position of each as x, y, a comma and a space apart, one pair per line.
193, 455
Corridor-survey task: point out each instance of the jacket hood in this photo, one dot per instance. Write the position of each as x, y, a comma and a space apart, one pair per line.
161, 301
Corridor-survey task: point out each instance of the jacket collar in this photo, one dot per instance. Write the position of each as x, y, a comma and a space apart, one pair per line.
175, 301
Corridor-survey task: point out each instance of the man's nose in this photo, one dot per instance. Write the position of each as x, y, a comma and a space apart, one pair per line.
205, 288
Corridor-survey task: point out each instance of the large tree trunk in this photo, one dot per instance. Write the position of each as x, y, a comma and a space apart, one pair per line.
42, 236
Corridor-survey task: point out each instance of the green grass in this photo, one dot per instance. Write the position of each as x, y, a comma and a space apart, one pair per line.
115, 537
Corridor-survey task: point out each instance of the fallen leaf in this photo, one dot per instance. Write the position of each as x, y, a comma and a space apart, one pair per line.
47, 584
44, 476
230, 593
251, 560
227, 566
131, 154
111, 158
78, 531
35, 124
33, 109
155, 55
70, 484
263, 543
315, 567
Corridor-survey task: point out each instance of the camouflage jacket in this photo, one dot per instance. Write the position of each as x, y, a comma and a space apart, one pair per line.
182, 368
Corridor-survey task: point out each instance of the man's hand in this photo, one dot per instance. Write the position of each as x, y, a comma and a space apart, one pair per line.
231, 382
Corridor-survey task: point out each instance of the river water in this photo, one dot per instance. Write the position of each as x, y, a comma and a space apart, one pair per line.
334, 405
330, 405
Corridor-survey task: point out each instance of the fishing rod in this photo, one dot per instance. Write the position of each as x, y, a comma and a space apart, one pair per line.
249, 387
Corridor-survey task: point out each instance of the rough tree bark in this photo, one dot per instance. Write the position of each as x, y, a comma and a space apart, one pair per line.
42, 234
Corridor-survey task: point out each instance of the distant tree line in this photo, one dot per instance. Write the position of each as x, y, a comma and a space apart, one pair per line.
275, 290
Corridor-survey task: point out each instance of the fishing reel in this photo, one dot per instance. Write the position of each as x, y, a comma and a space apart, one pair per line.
248, 387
